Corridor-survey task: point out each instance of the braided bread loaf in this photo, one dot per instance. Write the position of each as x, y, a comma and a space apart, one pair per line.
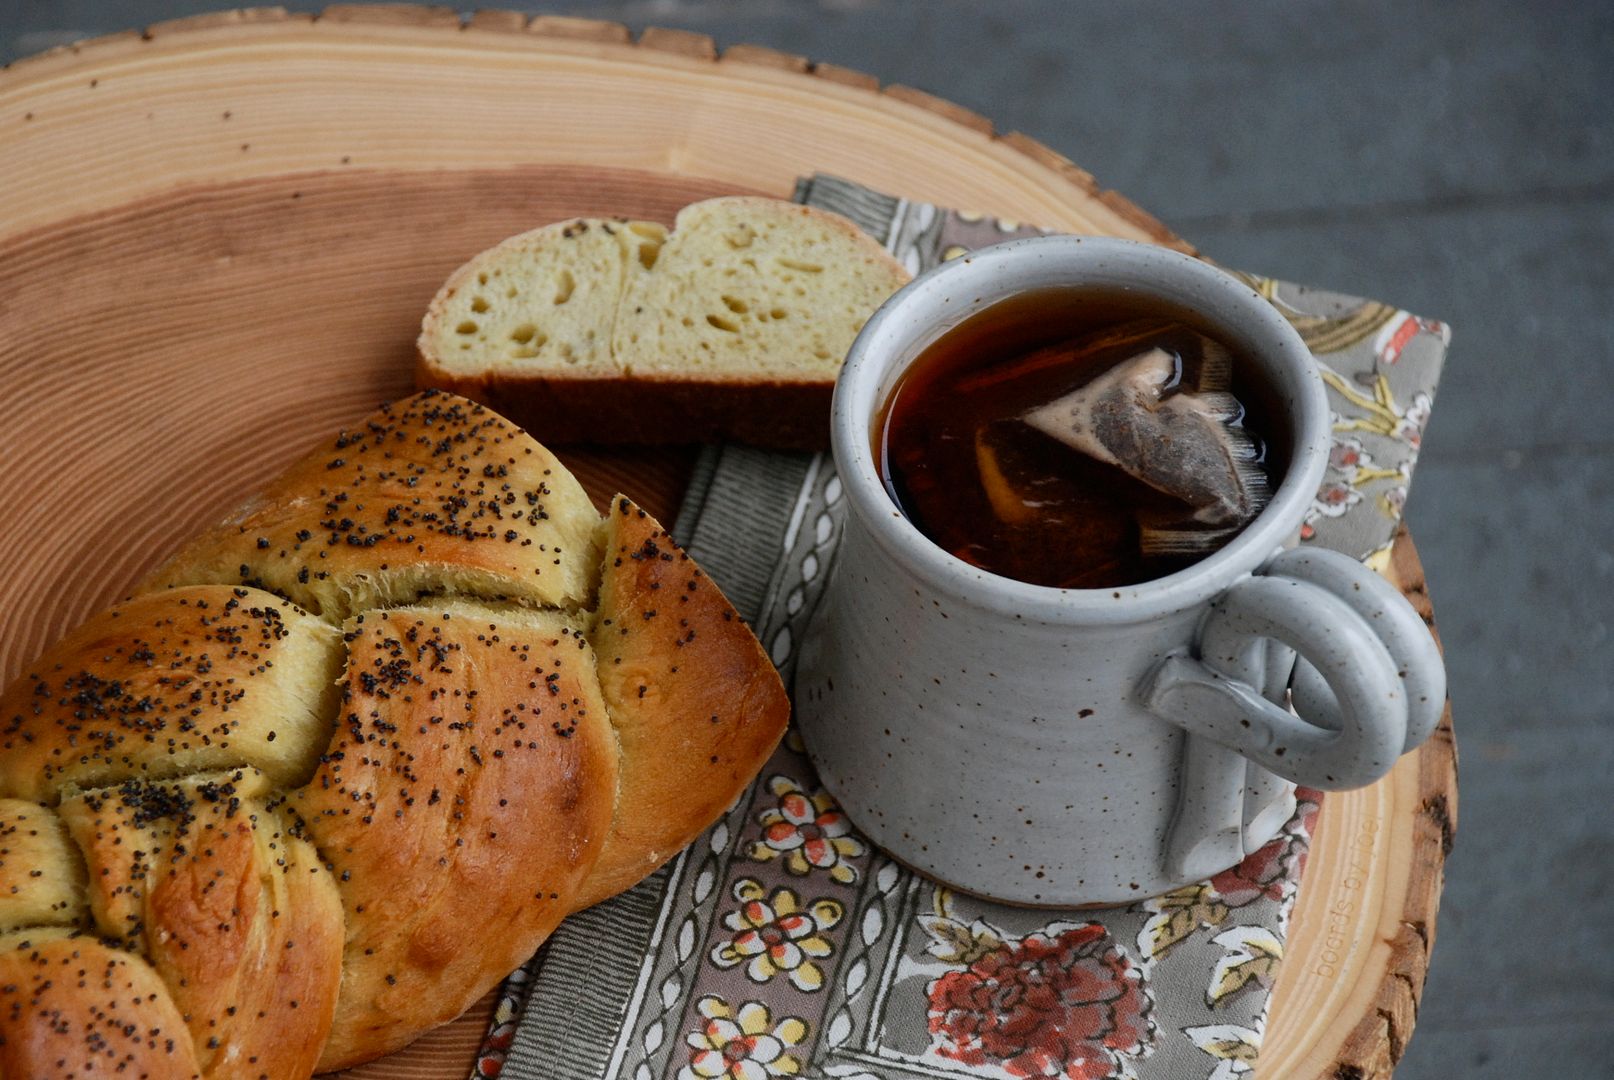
348, 758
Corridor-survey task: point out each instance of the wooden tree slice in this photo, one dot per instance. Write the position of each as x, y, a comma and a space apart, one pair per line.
1362, 930
218, 240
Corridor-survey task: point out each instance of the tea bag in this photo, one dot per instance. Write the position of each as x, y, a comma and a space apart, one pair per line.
1168, 419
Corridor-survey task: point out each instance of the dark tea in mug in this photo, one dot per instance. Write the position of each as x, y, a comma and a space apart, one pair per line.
1078, 440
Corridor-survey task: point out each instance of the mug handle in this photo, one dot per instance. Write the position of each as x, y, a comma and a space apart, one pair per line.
1370, 683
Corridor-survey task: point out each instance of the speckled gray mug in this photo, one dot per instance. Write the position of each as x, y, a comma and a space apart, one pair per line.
1079, 746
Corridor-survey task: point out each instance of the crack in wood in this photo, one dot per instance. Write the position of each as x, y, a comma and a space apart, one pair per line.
1438, 810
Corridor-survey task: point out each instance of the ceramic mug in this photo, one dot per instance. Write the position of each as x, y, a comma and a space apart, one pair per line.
1093, 746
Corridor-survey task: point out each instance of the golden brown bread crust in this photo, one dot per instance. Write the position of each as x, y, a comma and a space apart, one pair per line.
289, 828
41, 873
431, 494
650, 410
236, 915
205, 677
72, 1006
696, 703
470, 783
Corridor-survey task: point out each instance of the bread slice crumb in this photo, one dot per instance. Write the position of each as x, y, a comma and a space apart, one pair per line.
750, 288
544, 300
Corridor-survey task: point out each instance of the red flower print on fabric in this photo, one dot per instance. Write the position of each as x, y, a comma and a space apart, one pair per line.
1275, 867
1063, 1002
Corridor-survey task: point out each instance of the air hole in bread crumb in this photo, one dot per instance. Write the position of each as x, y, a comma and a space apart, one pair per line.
524, 333
648, 254
723, 324
797, 264
687, 321
647, 229
822, 354
481, 279
510, 293
479, 304
736, 305
466, 327
778, 313
564, 286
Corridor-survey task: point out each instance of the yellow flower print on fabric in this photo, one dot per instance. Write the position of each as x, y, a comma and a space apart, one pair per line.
776, 934
808, 831
743, 1044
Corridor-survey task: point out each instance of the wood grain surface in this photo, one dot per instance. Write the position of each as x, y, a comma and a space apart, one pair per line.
220, 234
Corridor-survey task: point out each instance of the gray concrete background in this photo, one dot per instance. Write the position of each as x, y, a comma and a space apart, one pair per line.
1456, 159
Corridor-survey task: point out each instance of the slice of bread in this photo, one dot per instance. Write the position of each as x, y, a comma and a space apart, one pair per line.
732, 326
541, 302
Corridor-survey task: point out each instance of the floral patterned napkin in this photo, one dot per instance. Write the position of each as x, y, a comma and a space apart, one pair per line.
782, 944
